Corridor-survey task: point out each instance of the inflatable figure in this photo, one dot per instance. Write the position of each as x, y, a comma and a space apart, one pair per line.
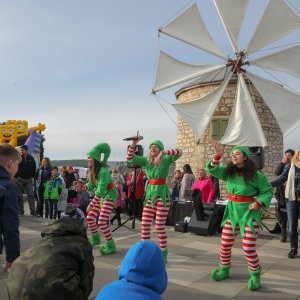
34, 145
34, 142
23, 129
9, 134
16, 132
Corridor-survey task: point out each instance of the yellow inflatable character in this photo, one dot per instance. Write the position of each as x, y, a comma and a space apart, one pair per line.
9, 133
23, 129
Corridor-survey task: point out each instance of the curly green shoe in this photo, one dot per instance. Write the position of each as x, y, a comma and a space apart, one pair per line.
254, 281
220, 274
109, 248
95, 240
165, 252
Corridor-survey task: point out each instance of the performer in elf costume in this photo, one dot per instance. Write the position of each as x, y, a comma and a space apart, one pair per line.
157, 195
105, 198
248, 190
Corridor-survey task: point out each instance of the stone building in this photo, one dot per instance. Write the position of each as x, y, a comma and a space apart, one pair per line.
198, 151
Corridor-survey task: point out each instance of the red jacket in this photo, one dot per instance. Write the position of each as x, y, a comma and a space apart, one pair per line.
140, 188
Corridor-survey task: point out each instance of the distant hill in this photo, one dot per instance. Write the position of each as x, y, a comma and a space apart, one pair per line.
83, 163
70, 162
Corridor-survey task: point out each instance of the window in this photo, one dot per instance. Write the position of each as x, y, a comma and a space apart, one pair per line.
218, 127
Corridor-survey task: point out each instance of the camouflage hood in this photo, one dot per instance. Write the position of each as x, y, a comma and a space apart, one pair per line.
64, 227
57, 266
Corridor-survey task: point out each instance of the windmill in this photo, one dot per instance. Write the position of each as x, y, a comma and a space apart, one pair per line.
244, 126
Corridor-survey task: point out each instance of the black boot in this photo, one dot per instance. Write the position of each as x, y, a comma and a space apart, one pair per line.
276, 229
283, 236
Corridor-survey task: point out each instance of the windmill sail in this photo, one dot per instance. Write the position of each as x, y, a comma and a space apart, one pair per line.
198, 113
190, 28
171, 71
277, 21
244, 126
284, 104
287, 60
232, 14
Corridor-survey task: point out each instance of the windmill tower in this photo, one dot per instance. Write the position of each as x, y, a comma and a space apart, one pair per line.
198, 151
229, 101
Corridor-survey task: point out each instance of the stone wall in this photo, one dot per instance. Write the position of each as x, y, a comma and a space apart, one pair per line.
198, 152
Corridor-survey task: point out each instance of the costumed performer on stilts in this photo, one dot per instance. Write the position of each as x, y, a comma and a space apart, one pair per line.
106, 196
248, 189
157, 194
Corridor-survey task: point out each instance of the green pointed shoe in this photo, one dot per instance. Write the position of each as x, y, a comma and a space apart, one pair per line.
165, 252
109, 248
220, 274
254, 281
95, 240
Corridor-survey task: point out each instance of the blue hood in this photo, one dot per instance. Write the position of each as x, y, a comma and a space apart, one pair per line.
144, 265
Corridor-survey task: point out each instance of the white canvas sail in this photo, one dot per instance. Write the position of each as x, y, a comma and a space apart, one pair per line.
244, 126
171, 71
198, 113
190, 28
284, 104
277, 21
287, 60
232, 14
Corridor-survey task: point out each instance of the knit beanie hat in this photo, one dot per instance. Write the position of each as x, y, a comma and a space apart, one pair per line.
97, 150
158, 143
72, 211
244, 149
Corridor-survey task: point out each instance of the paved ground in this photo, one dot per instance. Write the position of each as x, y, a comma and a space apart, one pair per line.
191, 258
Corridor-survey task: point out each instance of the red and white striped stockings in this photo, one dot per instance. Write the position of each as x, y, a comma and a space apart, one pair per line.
249, 247
160, 221
104, 212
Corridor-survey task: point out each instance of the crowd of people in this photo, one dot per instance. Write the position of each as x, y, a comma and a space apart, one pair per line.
76, 207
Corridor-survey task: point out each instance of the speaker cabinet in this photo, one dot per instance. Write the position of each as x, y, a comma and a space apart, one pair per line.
211, 223
257, 155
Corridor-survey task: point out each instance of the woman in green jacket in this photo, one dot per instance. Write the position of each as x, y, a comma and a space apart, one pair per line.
248, 189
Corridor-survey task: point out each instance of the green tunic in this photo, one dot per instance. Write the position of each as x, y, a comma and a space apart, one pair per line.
154, 172
238, 212
100, 188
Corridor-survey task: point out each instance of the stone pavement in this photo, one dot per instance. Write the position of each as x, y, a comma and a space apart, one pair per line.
191, 258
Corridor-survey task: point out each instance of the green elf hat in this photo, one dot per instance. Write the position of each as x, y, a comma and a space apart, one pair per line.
244, 149
158, 143
96, 152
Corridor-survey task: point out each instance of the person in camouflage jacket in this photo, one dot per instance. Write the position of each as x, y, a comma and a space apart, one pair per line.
59, 266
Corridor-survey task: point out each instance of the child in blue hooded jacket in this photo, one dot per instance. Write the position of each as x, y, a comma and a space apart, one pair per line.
142, 275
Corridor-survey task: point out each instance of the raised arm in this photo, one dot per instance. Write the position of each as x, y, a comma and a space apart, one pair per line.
213, 167
283, 177
135, 159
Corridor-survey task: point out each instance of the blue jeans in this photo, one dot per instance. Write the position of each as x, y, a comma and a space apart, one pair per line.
293, 213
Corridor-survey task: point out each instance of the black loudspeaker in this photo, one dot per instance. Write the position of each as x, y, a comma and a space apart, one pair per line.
181, 227
206, 219
137, 151
257, 155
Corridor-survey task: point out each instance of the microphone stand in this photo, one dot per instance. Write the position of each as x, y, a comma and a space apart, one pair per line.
133, 199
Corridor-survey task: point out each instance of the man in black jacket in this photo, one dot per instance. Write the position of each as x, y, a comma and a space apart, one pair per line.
281, 212
26, 172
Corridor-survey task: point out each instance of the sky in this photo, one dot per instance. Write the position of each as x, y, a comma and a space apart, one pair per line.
86, 68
